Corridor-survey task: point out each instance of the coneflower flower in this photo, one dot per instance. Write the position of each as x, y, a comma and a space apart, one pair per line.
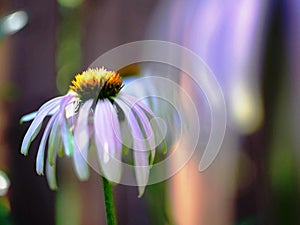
92, 113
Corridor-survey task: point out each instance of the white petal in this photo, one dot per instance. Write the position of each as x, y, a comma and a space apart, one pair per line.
107, 139
35, 126
137, 107
142, 170
158, 133
132, 100
51, 175
28, 117
140, 153
41, 151
67, 137
65, 132
53, 141
81, 141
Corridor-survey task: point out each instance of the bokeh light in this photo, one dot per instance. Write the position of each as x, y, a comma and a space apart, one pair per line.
4, 183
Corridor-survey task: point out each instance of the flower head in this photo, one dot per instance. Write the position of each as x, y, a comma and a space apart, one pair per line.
93, 113
96, 84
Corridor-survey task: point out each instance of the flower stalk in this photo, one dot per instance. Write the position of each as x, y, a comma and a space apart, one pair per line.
109, 202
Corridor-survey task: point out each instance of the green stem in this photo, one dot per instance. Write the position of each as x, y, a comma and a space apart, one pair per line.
109, 202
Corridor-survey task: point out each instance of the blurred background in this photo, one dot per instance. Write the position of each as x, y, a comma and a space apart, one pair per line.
253, 48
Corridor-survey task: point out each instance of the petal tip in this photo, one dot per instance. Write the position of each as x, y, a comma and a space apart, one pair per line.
53, 188
141, 191
24, 152
40, 173
83, 174
83, 178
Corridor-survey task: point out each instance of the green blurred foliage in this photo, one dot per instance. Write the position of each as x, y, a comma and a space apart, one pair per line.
158, 204
283, 165
8, 91
4, 212
69, 50
68, 207
70, 3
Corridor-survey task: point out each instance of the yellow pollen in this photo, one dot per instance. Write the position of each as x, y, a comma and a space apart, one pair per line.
97, 83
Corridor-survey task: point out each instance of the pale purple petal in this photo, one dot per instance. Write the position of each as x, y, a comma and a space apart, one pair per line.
41, 151
107, 139
28, 117
51, 173
127, 139
137, 108
53, 141
147, 129
140, 153
35, 126
81, 141
66, 134
132, 100
156, 125
141, 171
67, 137
31, 116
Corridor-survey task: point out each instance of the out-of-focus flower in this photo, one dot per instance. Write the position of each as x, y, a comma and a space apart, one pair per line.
94, 113
229, 36
230, 40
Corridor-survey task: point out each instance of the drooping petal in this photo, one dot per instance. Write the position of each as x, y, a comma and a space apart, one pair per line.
140, 153
127, 140
53, 141
81, 141
35, 126
67, 137
41, 151
60, 147
108, 140
65, 132
149, 134
31, 116
28, 117
141, 170
132, 100
51, 175
116, 131
159, 135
